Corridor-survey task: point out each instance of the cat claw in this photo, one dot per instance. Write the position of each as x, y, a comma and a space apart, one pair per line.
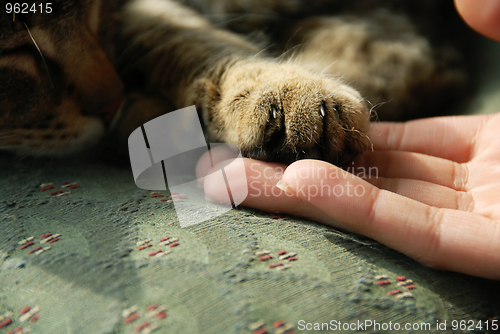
322, 110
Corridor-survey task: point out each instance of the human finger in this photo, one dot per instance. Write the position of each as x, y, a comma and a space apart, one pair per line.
439, 238
206, 163
260, 184
445, 137
409, 165
425, 192
481, 15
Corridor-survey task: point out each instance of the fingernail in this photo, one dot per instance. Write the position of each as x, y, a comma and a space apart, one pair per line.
283, 186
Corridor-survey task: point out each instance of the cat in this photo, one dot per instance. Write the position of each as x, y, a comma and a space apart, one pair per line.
303, 91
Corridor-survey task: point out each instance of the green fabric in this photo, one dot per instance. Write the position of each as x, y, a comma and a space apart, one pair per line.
212, 282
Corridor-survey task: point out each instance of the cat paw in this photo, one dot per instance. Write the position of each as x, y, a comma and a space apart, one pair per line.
282, 113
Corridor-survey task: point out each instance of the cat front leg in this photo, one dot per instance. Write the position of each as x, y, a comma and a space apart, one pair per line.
272, 111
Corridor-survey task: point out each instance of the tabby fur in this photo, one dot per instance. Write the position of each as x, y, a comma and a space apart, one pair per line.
312, 101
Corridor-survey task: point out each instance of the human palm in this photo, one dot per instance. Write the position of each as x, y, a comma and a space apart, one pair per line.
452, 165
484, 171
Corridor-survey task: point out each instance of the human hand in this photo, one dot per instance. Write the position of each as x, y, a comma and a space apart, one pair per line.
482, 15
433, 193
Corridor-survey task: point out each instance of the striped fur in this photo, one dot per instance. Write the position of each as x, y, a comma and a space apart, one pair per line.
162, 55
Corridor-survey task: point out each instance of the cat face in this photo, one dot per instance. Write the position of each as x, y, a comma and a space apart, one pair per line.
58, 87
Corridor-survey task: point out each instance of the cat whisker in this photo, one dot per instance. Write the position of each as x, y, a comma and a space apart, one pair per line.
40, 52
